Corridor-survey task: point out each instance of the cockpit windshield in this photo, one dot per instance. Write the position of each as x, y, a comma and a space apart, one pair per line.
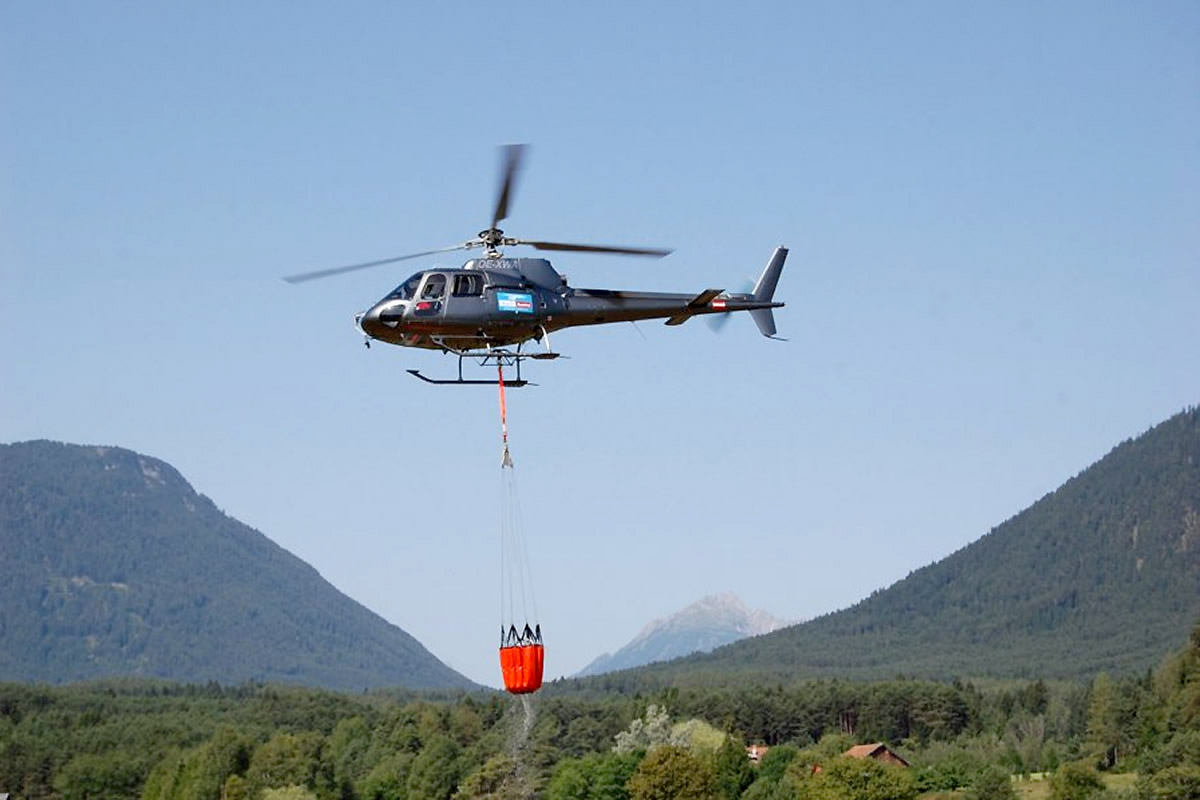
406, 290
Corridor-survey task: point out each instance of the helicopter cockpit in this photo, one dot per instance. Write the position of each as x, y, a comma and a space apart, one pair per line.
406, 290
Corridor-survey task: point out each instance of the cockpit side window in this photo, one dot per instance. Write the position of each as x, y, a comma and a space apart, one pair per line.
468, 285
406, 290
435, 287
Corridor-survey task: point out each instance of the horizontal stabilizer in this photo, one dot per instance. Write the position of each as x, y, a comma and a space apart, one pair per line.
703, 299
695, 304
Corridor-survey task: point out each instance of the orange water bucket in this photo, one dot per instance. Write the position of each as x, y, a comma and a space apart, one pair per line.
522, 667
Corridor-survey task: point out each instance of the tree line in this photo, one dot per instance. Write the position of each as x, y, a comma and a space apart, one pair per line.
160, 741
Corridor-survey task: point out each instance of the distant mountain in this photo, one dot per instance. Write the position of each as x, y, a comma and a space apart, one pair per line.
1101, 574
711, 622
111, 564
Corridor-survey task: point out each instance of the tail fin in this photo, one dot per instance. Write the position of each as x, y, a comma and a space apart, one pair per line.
764, 291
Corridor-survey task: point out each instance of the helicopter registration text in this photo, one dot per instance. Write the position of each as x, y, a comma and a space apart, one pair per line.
515, 302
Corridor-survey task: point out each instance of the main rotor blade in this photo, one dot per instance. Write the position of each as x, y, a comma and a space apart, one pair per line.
325, 273
656, 252
513, 155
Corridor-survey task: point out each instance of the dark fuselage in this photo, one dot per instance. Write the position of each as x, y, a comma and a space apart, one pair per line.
502, 302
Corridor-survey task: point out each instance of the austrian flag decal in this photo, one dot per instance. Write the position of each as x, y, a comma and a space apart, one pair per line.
719, 303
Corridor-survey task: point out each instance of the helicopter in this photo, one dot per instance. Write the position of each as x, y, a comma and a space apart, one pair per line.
490, 307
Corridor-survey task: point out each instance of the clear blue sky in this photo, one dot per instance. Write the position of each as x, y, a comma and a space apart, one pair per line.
993, 211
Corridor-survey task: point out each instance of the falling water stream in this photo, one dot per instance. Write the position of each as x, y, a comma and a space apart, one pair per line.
522, 716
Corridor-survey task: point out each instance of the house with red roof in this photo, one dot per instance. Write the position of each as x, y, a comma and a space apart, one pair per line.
878, 751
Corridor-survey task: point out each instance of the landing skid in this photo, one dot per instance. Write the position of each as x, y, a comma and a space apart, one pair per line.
496, 357
460, 381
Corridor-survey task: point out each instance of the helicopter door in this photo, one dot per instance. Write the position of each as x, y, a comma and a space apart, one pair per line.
429, 299
465, 303
468, 285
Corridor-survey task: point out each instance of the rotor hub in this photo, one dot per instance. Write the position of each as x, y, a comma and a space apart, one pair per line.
492, 239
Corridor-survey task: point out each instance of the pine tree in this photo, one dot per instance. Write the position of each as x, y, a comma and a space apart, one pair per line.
733, 768
1102, 733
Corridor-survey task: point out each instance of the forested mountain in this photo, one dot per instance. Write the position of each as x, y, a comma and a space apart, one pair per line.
111, 564
1101, 574
708, 623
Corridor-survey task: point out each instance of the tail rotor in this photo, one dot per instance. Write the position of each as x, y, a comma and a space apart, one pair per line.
717, 322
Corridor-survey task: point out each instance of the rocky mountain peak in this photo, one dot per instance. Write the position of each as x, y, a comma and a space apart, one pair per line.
712, 621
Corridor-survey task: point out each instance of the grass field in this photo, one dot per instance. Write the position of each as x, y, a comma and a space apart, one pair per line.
1037, 787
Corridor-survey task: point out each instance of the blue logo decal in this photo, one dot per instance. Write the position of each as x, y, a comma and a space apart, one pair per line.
515, 302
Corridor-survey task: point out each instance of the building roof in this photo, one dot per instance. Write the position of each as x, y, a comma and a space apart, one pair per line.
874, 750
863, 750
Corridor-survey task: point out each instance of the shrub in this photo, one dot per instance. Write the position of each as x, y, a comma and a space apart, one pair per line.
1075, 781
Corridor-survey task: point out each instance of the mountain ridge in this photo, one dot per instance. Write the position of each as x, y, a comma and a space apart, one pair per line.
1102, 574
116, 565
